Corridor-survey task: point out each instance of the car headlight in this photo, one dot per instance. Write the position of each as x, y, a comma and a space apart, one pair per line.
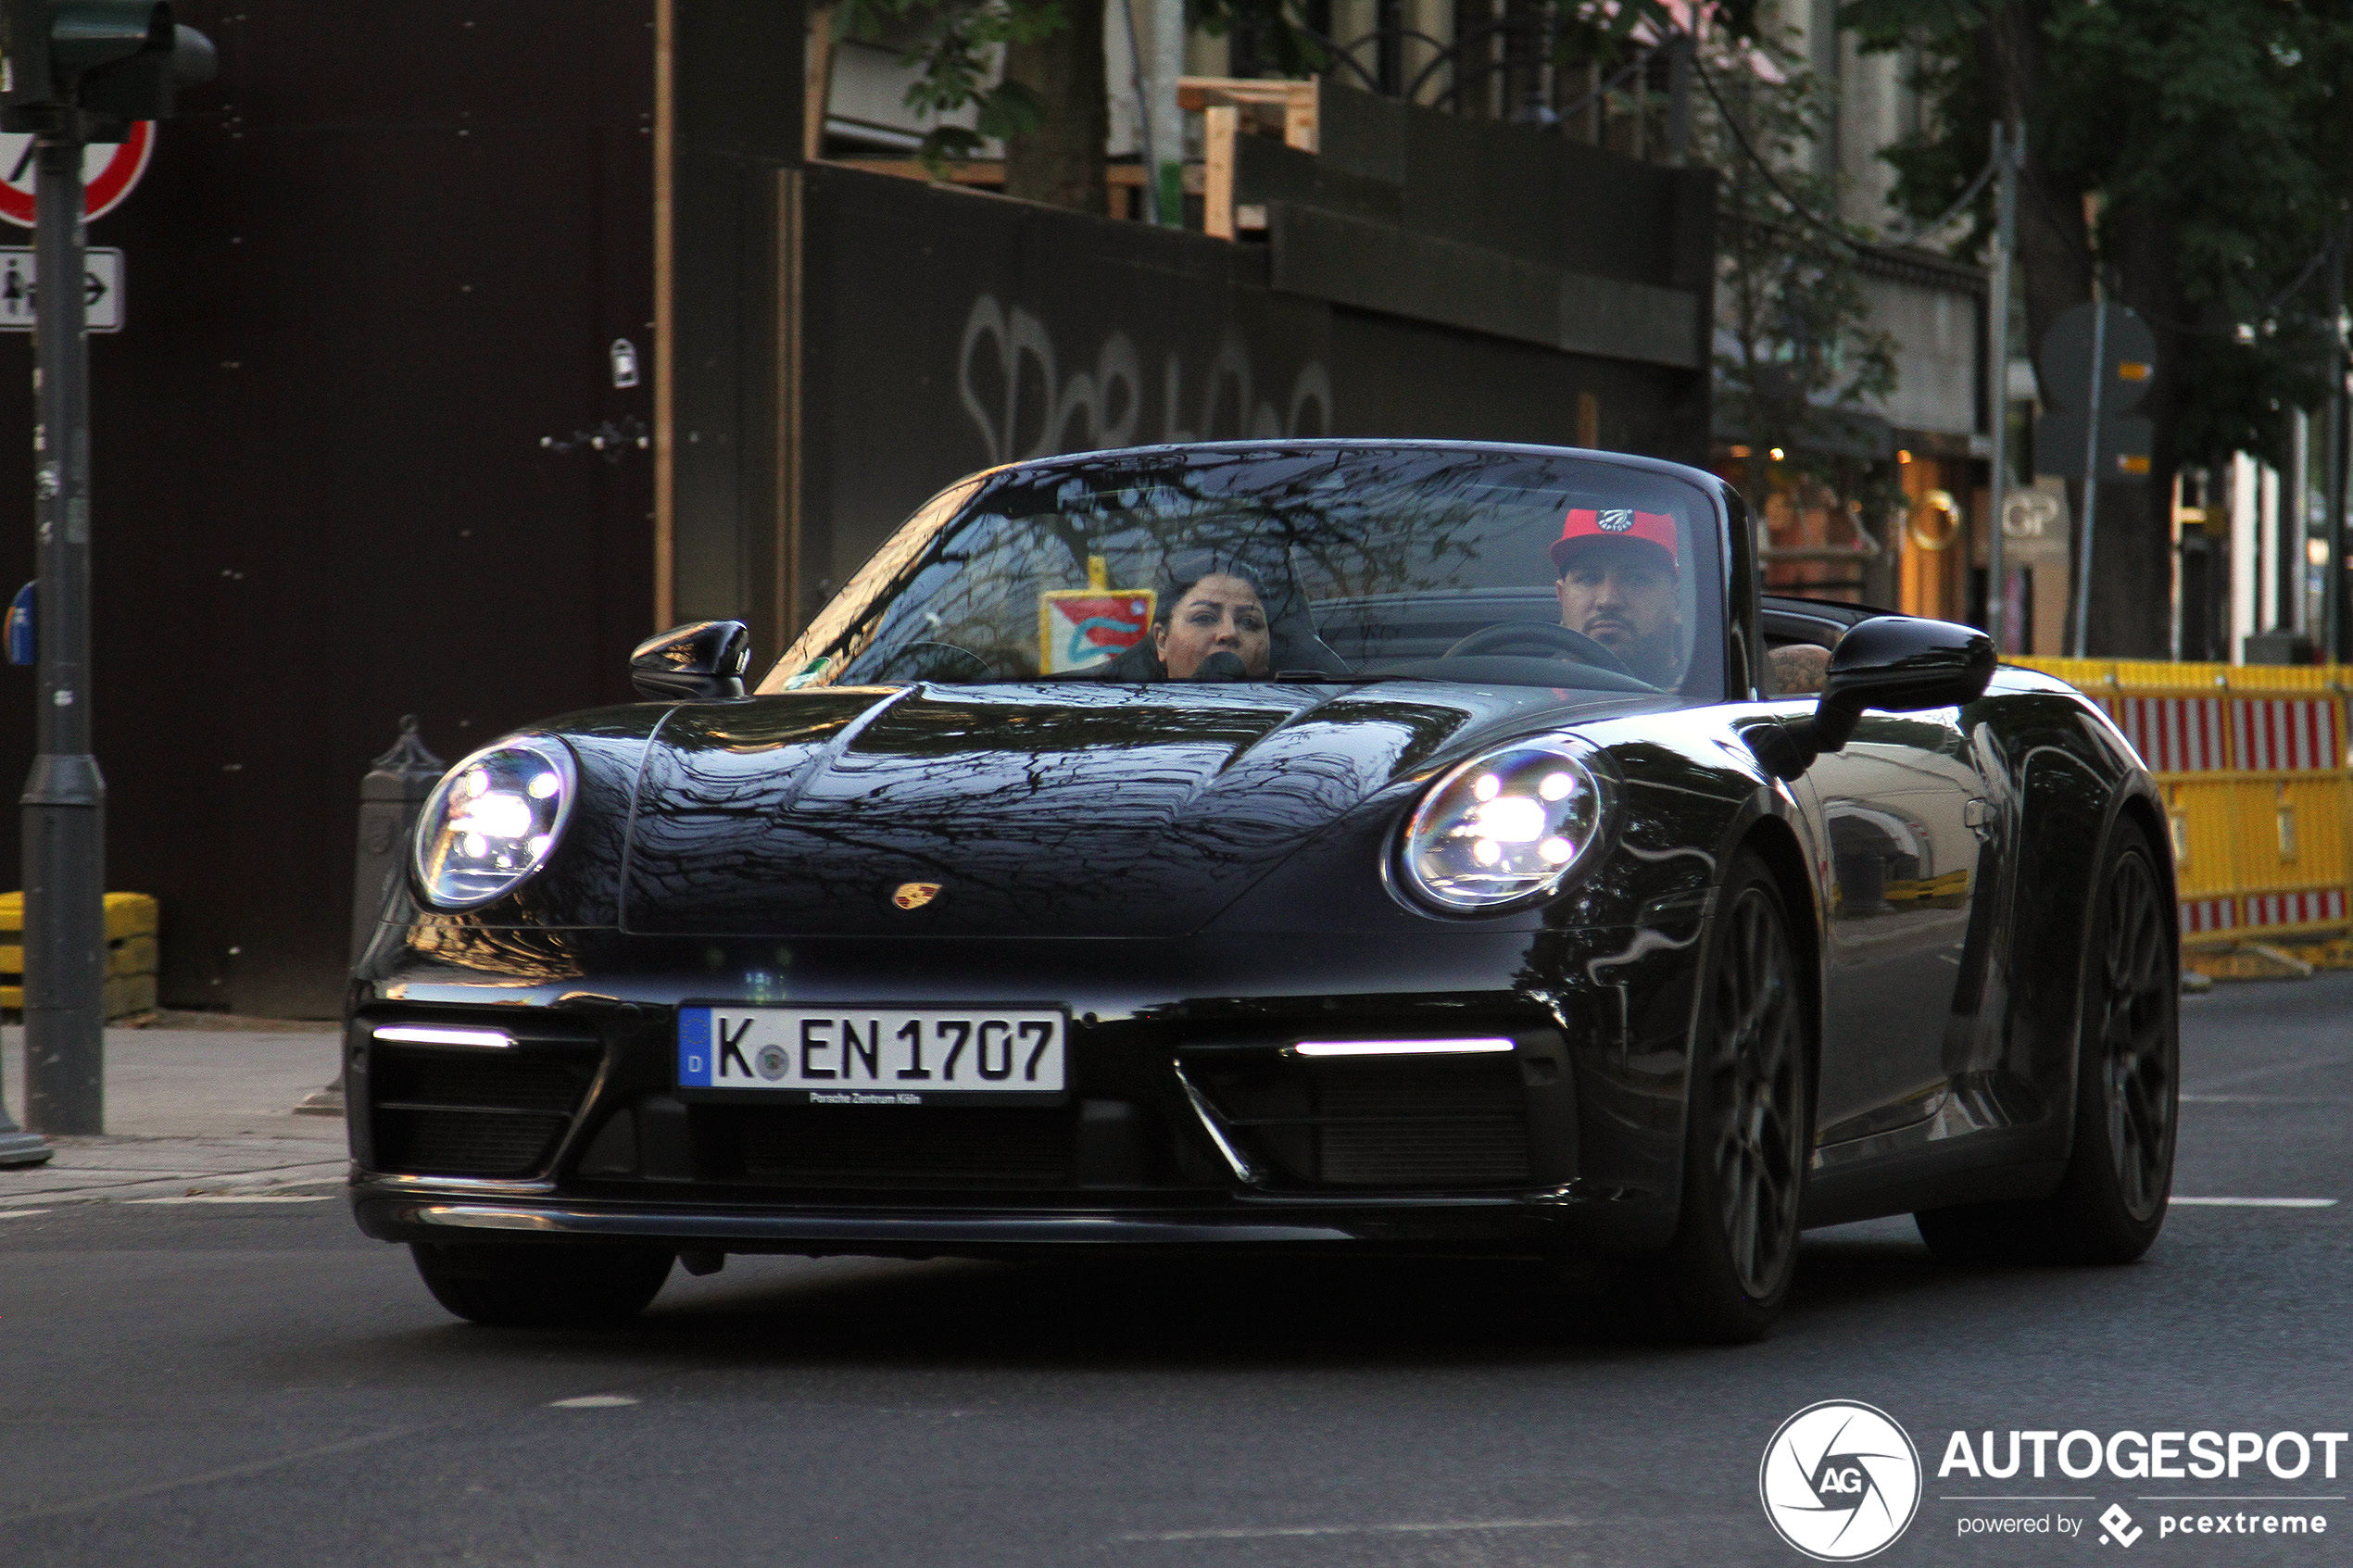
493, 819
1504, 827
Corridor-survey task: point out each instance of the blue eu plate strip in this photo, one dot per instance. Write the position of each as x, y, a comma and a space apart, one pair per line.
694, 1047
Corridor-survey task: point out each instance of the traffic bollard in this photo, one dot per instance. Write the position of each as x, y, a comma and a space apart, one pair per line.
390, 797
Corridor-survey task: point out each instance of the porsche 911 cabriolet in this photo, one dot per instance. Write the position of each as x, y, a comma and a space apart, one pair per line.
1306, 847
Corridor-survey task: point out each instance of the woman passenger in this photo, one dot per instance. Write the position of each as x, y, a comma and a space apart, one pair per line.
1208, 608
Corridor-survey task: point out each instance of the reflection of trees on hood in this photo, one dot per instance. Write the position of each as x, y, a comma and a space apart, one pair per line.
1099, 812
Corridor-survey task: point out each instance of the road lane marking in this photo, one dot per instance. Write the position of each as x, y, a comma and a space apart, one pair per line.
20, 1214
2256, 1202
591, 1402
1264, 1532
241, 1198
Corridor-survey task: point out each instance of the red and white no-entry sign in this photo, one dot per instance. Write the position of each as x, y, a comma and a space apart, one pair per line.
108, 170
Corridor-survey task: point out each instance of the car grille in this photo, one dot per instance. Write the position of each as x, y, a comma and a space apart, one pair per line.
441, 1113
911, 1148
1379, 1122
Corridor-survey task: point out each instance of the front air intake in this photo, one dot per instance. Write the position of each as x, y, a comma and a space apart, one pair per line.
449, 1112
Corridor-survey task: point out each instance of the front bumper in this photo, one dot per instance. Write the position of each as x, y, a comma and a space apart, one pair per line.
1188, 1124
1536, 1225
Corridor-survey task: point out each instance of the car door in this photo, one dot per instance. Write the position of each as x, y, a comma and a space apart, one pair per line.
1899, 808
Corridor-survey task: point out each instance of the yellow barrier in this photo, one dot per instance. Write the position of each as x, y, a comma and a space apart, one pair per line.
130, 953
2253, 761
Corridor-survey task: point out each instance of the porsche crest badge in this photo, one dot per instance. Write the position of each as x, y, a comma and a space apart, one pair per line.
914, 894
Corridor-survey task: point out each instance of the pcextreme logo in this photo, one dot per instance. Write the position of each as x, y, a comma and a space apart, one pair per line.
1841, 1481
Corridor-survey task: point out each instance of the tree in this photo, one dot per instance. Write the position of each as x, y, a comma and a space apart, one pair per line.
2213, 137
1795, 322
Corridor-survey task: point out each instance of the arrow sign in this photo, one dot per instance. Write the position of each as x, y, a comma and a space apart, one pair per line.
101, 289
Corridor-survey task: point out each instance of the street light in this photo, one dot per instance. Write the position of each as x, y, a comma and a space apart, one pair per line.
72, 72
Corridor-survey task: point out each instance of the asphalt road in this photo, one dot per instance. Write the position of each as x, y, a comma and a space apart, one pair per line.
254, 1383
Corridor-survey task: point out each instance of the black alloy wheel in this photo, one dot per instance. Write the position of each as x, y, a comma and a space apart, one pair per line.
543, 1285
2111, 1204
1726, 1277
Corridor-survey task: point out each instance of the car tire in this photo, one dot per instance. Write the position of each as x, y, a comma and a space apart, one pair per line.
542, 1286
1748, 1129
2110, 1203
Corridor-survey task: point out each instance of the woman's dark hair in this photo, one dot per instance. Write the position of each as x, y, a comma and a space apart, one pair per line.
1184, 573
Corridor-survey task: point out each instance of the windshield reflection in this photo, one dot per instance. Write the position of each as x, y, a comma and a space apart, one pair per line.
1294, 563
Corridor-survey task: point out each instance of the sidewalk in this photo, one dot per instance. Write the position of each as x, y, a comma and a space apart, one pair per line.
189, 1112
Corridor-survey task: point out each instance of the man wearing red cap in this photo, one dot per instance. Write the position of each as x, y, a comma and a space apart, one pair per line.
1618, 570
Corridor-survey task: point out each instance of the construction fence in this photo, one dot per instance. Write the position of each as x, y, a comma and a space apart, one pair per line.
2254, 764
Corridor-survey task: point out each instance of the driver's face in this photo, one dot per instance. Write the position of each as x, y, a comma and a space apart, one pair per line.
1624, 599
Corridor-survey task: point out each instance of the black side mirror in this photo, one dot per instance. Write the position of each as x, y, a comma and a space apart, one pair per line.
1895, 663
702, 661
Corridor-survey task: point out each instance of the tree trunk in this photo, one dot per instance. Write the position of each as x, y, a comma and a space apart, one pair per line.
2132, 566
1061, 163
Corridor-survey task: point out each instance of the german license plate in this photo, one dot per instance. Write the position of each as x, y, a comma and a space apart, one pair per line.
873, 1056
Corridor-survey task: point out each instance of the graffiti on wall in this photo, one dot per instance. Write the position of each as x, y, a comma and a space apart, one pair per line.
1025, 403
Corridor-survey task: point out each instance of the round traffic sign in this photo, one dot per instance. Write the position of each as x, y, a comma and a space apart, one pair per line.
108, 170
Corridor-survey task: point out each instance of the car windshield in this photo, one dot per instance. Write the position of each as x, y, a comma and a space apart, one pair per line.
1494, 566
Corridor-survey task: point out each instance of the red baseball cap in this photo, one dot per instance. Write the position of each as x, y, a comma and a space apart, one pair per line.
1586, 525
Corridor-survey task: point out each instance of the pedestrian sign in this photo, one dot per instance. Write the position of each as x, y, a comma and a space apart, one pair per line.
108, 170
101, 289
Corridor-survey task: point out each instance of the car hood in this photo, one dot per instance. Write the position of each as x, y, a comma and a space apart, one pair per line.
1055, 810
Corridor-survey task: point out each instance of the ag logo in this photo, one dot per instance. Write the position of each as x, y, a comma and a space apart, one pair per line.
915, 895
1840, 1481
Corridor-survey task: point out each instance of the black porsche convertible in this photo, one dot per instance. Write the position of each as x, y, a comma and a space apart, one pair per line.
1311, 846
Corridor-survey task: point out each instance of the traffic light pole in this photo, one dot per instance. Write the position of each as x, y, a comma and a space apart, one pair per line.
65, 925
2091, 478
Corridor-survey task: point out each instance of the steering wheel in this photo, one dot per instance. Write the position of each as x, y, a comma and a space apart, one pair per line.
1548, 639
936, 654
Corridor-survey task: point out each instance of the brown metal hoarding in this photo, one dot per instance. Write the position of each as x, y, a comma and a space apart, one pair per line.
942, 330
368, 271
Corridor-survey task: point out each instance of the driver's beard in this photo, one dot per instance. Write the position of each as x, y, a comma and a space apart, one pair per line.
1652, 658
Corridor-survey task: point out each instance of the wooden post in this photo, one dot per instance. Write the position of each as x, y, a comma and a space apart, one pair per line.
788, 408
818, 95
1301, 111
1221, 124
665, 322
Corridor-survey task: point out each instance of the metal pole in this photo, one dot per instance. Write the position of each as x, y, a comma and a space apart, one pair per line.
2340, 454
2091, 480
65, 924
1997, 378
